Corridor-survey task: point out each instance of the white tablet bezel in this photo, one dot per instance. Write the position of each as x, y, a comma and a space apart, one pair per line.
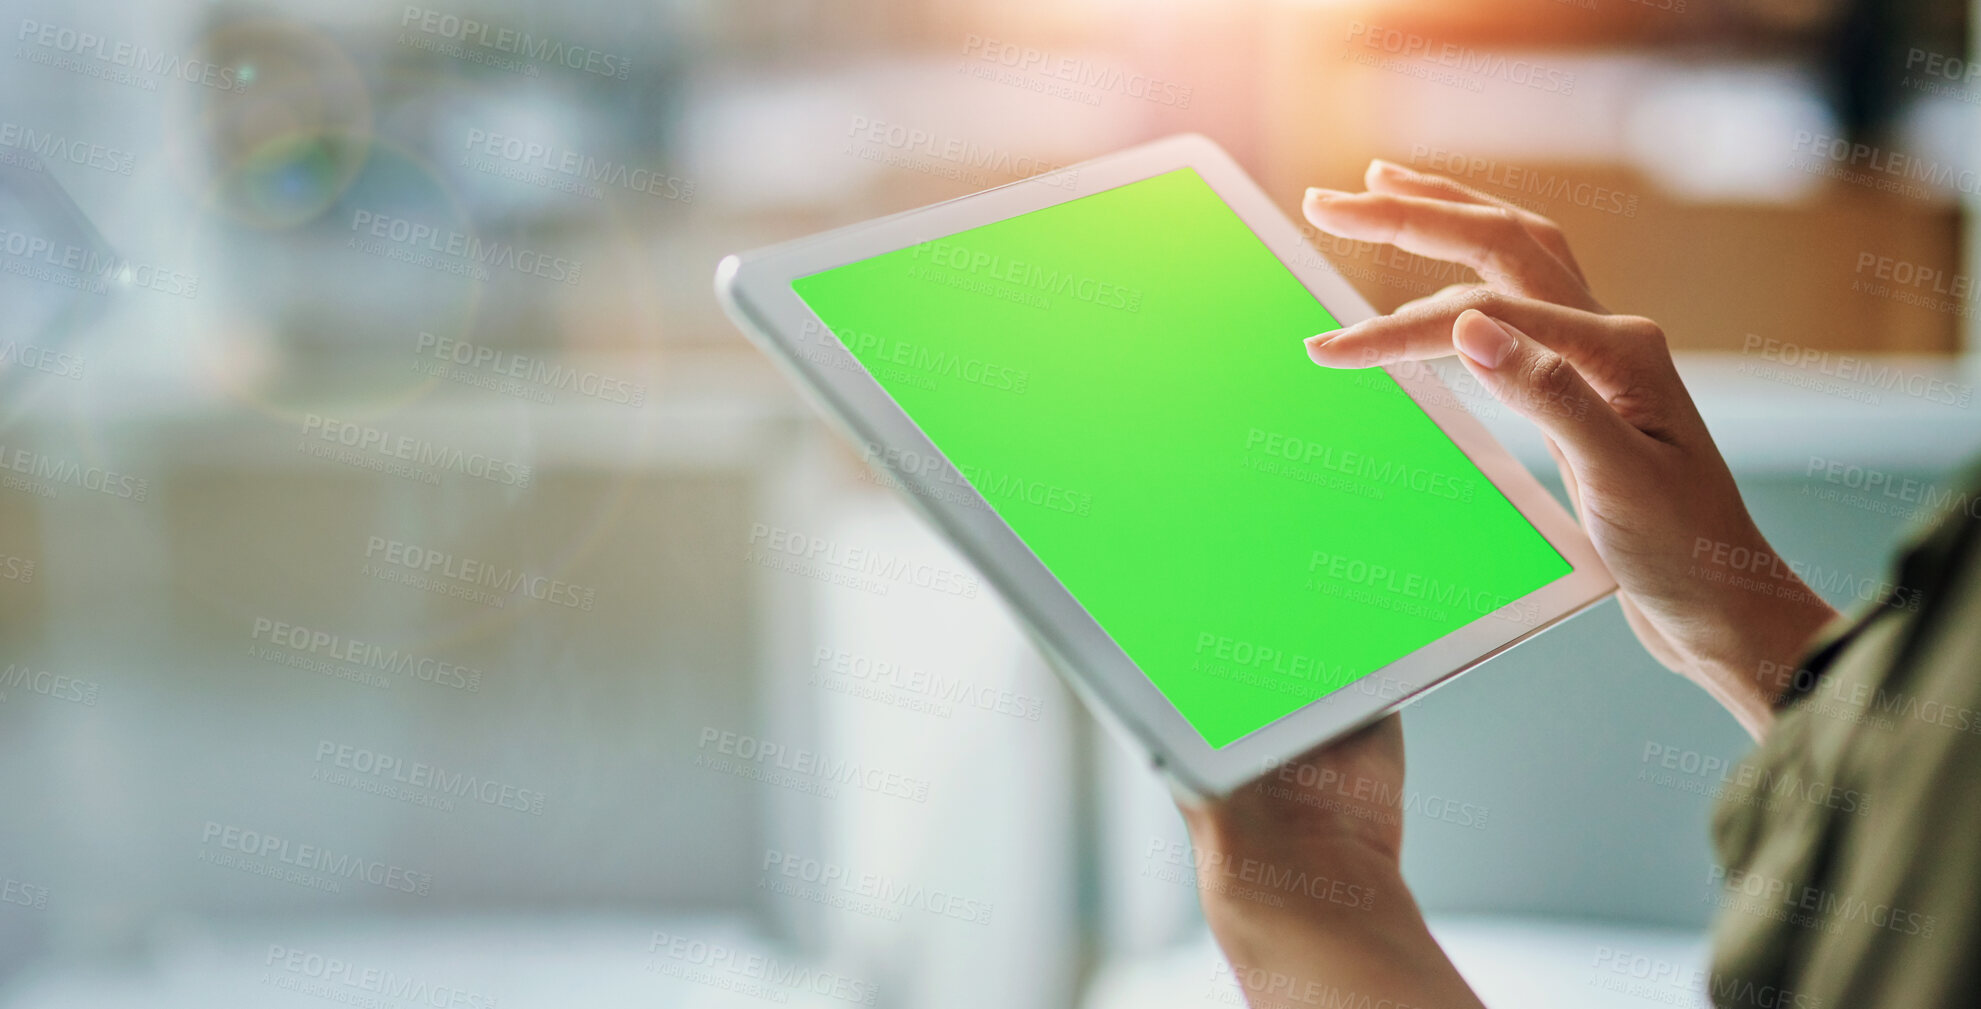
755, 288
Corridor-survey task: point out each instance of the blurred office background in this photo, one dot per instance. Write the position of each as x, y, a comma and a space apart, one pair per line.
387, 626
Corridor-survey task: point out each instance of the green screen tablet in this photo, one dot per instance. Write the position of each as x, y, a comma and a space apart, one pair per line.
1121, 377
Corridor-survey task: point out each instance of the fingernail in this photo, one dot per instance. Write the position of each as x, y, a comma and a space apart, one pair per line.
1388, 167
1317, 344
1324, 195
1481, 337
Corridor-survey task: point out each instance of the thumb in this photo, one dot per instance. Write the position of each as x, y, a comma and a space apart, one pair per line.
1542, 386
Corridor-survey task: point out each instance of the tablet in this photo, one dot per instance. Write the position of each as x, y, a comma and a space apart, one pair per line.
1094, 383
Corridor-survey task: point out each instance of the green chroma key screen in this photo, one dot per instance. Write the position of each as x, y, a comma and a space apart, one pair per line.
1121, 376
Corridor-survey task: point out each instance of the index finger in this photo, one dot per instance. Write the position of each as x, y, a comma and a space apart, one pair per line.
1491, 240
1595, 344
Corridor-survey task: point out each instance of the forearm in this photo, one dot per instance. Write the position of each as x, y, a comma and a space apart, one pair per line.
1304, 951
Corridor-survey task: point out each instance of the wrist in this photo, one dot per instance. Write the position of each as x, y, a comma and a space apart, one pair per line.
1320, 954
1764, 626
1279, 938
1340, 883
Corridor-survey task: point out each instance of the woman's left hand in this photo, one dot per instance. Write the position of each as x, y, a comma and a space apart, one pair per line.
1301, 882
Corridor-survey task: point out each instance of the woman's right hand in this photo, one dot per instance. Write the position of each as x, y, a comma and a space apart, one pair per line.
1698, 582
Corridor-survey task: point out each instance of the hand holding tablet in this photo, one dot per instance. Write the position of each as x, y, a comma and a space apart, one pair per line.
1655, 495
1701, 587
1093, 382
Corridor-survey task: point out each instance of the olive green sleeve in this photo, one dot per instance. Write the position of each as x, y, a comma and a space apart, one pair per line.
1852, 846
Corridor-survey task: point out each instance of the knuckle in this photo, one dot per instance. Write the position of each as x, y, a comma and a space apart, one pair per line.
1638, 329
1508, 243
1550, 377
1644, 406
